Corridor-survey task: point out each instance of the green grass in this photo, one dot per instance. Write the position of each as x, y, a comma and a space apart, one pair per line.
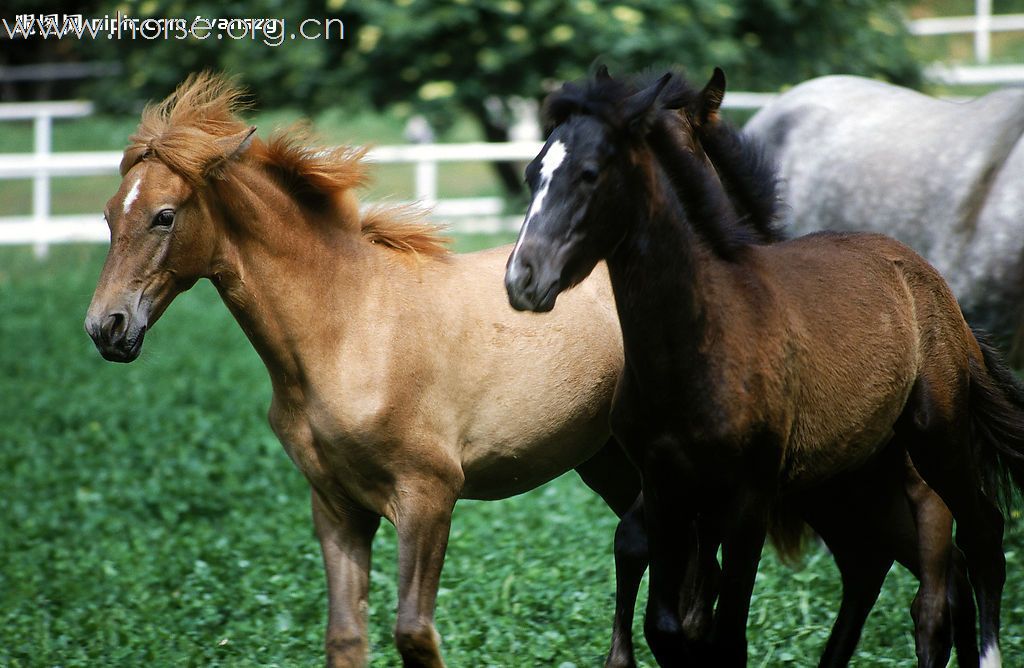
149, 517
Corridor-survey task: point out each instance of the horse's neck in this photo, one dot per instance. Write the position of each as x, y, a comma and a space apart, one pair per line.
657, 273
292, 286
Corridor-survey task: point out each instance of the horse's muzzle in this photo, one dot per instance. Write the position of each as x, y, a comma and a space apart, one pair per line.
117, 335
525, 292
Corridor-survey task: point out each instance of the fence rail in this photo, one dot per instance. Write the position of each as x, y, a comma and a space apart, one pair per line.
982, 24
472, 214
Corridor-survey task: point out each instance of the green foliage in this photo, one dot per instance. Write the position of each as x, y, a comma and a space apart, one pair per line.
438, 57
149, 517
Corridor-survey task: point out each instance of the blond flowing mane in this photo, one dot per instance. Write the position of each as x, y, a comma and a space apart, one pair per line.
183, 132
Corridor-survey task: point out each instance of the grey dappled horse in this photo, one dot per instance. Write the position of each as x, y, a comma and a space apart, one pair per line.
945, 177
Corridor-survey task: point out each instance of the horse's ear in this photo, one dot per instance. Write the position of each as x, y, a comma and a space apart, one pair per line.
710, 98
602, 73
638, 106
237, 144
232, 147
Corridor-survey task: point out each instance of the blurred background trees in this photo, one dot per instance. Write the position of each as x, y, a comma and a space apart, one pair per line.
456, 57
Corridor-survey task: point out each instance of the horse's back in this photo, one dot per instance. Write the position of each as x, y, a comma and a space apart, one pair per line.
860, 318
877, 261
857, 154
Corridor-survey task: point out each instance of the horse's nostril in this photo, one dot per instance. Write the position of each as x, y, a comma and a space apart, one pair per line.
114, 327
525, 273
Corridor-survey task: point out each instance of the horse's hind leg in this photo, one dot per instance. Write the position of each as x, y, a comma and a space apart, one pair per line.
937, 432
845, 516
610, 473
930, 609
863, 573
961, 607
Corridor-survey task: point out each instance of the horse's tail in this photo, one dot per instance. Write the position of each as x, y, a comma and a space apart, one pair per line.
997, 423
787, 531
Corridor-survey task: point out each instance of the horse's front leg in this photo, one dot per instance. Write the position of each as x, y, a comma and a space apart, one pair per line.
346, 535
669, 510
610, 473
744, 523
741, 553
700, 589
631, 555
423, 519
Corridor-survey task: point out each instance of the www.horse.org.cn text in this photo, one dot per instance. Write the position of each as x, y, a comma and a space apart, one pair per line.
270, 31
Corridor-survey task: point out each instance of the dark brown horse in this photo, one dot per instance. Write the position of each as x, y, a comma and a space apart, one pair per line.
754, 372
862, 516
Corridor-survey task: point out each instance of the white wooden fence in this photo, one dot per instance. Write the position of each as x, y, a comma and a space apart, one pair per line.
466, 214
41, 114
41, 228
982, 24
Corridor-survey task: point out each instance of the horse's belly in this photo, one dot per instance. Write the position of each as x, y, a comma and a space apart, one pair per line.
823, 446
496, 468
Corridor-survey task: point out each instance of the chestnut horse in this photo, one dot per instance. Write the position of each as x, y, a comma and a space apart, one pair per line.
755, 369
397, 369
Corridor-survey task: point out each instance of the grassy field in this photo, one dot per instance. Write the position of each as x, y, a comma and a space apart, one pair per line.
149, 517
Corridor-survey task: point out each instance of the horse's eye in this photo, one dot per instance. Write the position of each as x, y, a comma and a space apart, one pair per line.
589, 174
164, 218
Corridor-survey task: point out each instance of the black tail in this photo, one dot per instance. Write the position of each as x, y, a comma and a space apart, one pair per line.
997, 423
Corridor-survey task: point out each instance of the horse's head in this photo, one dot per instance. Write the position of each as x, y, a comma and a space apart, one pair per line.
162, 240
583, 177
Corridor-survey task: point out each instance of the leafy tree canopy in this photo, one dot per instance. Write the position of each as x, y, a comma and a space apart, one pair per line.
431, 54
446, 57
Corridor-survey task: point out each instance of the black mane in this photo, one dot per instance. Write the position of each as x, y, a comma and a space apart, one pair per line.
704, 200
748, 174
743, 210
603, 98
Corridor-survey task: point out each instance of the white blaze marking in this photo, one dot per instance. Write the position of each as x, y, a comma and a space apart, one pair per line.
991, 658
551, 161
133, 193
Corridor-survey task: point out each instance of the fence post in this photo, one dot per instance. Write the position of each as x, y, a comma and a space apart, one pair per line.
983, 30
418, 131
43, 129
426, 182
